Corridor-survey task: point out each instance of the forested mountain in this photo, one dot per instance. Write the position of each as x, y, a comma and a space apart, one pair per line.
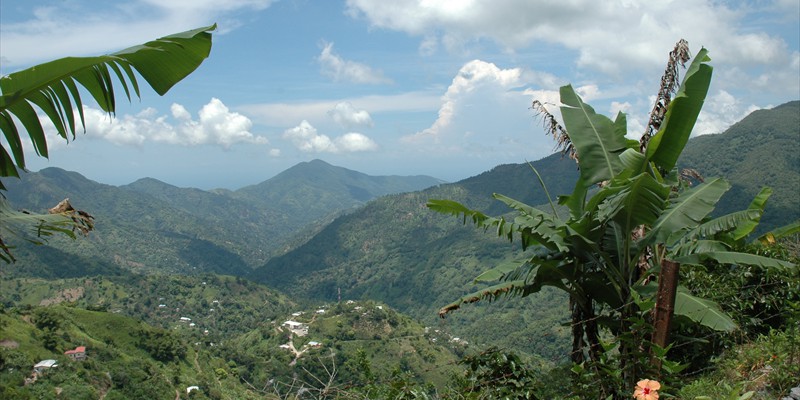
763, 149
397, 251
309, 191
153, 226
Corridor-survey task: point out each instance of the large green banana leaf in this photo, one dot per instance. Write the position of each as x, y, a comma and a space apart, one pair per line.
758, 204
597, 139
688, 210
732, 257
704, 312
539, 273
639, 200
53, 87
534, 226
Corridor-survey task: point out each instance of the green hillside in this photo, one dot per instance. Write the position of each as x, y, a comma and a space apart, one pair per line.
310, 190
397, 251
132, 231
153, 226
363, 342
763, 149
345, 345
125, 358
221, 305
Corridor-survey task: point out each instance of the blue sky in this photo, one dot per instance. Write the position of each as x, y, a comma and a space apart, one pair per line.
406, 87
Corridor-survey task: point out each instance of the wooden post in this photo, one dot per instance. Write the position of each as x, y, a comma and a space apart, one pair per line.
665, 304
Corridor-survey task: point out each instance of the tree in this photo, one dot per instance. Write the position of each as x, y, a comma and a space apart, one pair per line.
630, 214
53, 87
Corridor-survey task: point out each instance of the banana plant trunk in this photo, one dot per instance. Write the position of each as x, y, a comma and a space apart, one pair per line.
665, 305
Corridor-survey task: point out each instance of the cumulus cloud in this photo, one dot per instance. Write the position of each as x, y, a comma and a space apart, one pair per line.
720, 111
343, 70
473, 76
306, 138
215, 125
347, 116
613, 37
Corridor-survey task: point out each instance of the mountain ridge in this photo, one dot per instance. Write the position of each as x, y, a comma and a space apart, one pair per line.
159, 226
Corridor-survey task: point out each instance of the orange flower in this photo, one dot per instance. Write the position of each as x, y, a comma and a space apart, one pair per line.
646, 390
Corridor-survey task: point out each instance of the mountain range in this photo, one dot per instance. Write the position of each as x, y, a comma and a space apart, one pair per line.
150, 225
318, 232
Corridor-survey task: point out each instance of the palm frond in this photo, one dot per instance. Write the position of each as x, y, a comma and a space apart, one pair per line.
53, 88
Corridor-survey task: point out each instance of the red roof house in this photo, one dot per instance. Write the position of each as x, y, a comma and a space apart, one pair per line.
79, 353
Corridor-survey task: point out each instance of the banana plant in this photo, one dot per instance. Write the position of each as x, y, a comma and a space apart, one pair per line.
629, 213
54, 88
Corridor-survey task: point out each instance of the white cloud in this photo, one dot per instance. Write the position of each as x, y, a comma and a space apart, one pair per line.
353, 141
720, 111
306, 138
343, 70
486, 116
613, 37
348, 116
473, 76
215, 125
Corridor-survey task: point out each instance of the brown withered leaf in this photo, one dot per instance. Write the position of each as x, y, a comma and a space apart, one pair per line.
84, 222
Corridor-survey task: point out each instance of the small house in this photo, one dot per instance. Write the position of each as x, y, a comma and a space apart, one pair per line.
77, 354
298, 328
44, 365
